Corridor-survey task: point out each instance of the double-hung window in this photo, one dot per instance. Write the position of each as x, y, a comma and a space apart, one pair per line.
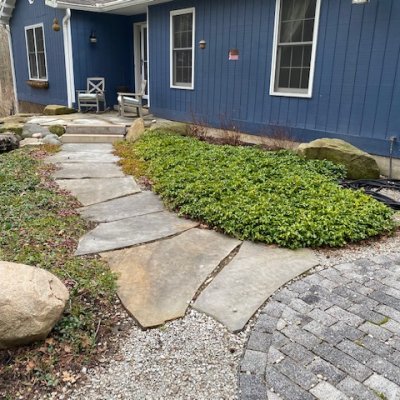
36, 52
295, 42
182, 48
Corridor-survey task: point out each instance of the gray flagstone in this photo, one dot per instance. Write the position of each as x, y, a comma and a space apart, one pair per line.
98, 190
132, 231
249, 279
125, 207
88, 170
157, 281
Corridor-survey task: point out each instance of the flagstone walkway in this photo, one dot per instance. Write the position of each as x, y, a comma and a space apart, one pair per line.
166, 263
330, 335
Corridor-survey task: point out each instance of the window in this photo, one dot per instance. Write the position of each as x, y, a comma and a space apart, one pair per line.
295, 42
35, 47
182, 48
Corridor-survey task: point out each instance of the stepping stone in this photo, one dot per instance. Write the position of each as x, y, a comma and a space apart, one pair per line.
82, 157
88, 170
132, 231
157, 281
85, 147
125, 207
249, 279
93, 191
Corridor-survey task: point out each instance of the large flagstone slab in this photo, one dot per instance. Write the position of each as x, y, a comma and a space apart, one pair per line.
249, 279
88, 147
87, 170
157, 281
82, 157
125, 207
93, 191
132, 231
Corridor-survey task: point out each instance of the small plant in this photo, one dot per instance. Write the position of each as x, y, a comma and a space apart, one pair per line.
249, 193
277, 138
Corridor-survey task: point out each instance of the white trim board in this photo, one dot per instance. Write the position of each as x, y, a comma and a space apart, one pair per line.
288, 93
29, 27
171, 46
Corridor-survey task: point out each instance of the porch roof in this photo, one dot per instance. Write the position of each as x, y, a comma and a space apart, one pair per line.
6, 9
124, 7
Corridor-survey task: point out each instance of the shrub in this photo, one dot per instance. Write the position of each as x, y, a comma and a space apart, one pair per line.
272, 197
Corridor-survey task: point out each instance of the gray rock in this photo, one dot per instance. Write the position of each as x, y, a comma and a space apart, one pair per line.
31, 302
52, 139
136, 130
8, 142
30, 129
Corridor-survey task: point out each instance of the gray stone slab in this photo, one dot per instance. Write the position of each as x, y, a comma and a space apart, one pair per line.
82, 157
88, 147
125, 207
249, 279
132, 231
93, 191
87, 170
157, 281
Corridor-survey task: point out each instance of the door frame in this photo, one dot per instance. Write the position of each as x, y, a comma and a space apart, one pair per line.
137, 37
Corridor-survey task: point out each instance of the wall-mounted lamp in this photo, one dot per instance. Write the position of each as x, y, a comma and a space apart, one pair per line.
359, 1
92, 38
56, 25
202, 44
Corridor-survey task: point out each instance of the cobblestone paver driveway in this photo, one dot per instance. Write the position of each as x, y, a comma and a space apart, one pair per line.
334, 334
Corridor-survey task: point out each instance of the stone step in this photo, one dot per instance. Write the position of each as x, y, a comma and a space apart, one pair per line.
249, 279
132, 231
157, 281
79, 138
96, 129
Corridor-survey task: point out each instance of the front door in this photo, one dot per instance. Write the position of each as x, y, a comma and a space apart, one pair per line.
141, 56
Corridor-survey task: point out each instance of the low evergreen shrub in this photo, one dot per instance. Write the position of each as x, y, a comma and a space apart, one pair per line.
252, 194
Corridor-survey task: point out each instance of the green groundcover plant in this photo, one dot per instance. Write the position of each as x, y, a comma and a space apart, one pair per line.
249, 193
39, 226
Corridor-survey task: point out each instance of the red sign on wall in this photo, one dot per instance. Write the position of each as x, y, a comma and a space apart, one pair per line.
233, 55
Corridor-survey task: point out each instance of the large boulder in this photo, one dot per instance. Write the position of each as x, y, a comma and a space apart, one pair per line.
32, 129
136, 130
32, 300
8, 142
359, 164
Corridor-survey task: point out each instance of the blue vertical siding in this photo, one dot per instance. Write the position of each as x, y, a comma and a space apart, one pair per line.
111, 57
26, 14
357, 76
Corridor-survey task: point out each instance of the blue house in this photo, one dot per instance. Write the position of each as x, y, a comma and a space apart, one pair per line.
308, 68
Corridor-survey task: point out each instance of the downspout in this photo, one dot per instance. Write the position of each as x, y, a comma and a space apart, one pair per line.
69, 66
16, 105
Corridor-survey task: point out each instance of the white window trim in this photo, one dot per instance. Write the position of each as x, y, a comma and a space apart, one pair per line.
172, 14
45, 52
290, 92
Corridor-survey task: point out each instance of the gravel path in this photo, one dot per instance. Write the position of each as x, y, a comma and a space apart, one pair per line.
191, 358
